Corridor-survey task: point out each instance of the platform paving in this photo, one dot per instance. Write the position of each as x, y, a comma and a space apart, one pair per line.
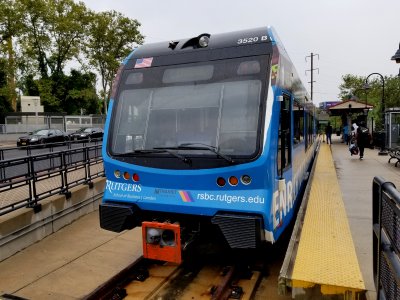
70, 263
325, 260
73, 261
355, 179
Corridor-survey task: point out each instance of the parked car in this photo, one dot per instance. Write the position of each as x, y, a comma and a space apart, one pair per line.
42, 137
87, 133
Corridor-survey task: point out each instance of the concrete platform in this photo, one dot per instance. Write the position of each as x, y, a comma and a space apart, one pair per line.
325, 264
318, 255
70, 263
355, 179
23, 227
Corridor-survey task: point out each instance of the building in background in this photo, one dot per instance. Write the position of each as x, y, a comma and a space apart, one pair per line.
327, 104
31, 104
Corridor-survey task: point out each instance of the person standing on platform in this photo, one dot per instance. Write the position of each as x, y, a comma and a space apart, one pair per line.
346, 134
362, 138
328, 132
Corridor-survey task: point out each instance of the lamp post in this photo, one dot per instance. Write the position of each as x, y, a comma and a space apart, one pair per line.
36, 101
349, 127
366, 109
366, 86
396, 57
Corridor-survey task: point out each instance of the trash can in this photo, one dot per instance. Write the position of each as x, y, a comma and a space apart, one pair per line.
379, 138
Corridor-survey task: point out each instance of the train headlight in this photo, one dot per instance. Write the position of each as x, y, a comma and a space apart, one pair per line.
221, 181
117, 173
233, 181
168, 238
245, 179
203, 41
135, 177
153, 236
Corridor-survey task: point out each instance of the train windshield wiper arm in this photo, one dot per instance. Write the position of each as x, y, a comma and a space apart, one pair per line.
155, 150
168, 150
193, 146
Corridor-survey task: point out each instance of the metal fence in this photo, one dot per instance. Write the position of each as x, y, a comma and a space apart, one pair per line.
25, 181
28, 122
73, 123
386, 239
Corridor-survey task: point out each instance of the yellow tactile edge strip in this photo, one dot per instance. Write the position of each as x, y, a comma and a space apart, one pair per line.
326, 255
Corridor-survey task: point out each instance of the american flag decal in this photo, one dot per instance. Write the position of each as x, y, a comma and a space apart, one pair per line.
143, 62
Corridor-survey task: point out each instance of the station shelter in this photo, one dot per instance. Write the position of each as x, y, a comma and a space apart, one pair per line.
392, 117
352, 111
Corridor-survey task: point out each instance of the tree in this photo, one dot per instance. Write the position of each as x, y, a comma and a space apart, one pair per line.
392, 91
111, 38
38, 38
54, 29
353, 85
71, 94
81, 93
5, 105
30, 86
10, 26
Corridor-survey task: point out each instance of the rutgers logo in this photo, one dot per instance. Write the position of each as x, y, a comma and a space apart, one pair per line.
112, 187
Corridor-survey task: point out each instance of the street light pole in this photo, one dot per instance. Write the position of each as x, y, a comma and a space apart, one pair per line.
383, 146
396, 57
366, 107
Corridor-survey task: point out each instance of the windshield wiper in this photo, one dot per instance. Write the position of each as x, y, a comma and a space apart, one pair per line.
184, 146
192, 146
155, 150
168, 150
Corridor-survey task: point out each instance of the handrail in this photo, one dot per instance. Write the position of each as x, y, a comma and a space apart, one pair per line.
386, 238
25, 181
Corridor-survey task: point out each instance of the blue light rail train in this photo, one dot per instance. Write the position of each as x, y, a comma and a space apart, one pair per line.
214, 133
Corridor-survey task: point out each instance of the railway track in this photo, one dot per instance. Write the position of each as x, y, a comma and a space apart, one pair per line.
221, 276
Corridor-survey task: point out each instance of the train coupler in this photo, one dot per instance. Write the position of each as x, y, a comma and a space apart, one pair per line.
162, 241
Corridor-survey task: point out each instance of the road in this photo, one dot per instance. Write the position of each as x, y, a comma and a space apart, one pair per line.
10, 151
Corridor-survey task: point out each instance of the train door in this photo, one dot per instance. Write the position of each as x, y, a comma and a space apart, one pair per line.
298, 123
285, 142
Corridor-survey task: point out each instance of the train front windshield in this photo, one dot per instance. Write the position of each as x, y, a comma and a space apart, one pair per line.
214, 103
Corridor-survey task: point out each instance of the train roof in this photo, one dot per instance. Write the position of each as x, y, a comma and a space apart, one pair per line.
248, 42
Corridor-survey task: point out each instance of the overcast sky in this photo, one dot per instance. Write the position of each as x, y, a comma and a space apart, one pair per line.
350, 36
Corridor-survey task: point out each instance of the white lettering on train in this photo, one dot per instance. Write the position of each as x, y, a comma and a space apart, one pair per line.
113, 186
282, 203
230, 198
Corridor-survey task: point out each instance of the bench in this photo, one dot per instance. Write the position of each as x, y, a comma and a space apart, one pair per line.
394, 154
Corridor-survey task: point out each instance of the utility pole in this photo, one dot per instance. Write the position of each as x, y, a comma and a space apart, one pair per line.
312, 73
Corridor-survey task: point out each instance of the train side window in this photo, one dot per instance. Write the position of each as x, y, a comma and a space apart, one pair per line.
284, 142
310, 130
298, 124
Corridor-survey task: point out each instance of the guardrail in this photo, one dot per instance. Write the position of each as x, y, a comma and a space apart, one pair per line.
386, 238
25, 181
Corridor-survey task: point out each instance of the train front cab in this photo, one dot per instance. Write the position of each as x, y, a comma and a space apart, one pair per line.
117, 213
